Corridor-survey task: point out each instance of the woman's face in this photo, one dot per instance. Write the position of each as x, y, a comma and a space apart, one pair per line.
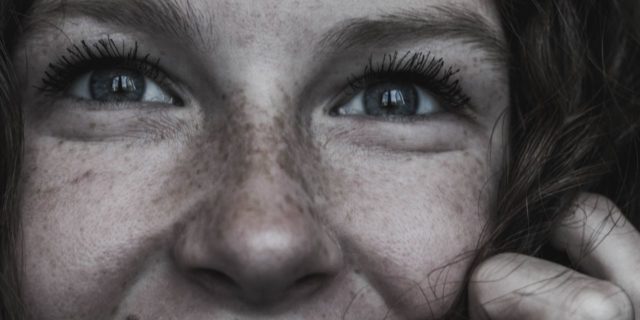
257, 159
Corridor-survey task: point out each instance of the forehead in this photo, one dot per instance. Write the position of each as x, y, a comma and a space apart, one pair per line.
325, 25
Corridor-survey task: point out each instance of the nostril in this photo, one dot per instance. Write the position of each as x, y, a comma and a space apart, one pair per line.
309, 279
214, 279
310, 283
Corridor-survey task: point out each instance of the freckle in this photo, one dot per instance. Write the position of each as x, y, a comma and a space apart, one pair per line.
132, 317
92, 125
458, 208
84, 176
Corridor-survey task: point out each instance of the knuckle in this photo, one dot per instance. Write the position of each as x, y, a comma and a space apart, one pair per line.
602, 300
590, 203
495, 266
489, 273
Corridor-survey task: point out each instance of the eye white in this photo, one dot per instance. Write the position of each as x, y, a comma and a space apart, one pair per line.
427, 103
355, 106
81, 88
153, 93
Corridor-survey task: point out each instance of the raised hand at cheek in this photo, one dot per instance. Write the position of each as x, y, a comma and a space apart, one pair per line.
605, 250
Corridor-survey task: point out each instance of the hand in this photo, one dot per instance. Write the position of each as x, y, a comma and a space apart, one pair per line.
605, 248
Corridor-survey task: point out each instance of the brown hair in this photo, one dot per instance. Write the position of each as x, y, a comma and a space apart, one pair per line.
10, 159
575, 84
574, 80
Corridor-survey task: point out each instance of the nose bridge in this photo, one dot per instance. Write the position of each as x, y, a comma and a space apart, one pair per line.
271, 144
269, 197
266, 200
268, 160
266, 181
271, 194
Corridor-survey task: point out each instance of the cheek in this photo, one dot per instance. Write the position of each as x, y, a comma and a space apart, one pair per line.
414, 221
90, 217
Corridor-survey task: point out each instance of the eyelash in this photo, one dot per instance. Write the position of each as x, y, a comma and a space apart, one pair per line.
106, 54
419, 68
422, 69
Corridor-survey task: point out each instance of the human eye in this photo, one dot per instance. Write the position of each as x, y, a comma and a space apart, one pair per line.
408, 87
108, 73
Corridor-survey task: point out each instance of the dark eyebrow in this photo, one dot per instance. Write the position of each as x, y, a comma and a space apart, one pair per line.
435, 22
168, 18
158, 17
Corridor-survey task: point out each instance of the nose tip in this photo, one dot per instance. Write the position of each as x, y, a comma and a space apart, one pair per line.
259, 252
264, 267
277, 265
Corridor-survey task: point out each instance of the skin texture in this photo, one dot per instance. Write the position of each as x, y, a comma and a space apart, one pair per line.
251, 200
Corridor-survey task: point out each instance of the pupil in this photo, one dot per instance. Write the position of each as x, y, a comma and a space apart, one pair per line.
391, 99
117, 85
123, 84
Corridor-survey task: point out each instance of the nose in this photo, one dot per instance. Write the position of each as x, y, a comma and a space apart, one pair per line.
260, 242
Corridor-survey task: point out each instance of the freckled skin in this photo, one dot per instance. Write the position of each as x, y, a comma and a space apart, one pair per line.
251, 202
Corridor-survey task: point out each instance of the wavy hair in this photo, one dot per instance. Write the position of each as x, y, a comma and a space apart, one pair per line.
574, 68
11, 137
574, 75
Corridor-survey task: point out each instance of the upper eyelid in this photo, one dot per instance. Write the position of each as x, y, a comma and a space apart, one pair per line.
421, 68
83, 57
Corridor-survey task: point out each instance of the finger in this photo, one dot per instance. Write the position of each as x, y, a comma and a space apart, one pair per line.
514, 286
601, 242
